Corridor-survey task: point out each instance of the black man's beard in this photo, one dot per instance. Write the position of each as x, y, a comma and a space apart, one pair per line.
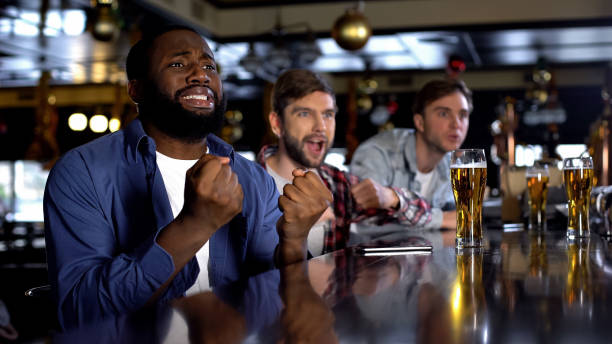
171, 118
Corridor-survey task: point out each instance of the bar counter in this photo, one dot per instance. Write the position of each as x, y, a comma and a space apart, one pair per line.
522, 286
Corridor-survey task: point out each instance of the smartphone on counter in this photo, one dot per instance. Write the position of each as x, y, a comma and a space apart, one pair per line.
394, 250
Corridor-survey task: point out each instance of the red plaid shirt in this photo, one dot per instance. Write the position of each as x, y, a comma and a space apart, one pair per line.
413, 210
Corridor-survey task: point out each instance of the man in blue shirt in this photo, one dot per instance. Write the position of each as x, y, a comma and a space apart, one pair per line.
118, 230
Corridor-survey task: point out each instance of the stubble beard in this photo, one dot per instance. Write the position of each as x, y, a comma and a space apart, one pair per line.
295, 151
433, 144
170, 117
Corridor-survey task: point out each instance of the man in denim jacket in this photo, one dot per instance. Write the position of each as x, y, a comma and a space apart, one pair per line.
419, 159
162, 207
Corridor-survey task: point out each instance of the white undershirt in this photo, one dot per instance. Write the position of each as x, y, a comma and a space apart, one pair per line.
316, 236
173, 172
425, 180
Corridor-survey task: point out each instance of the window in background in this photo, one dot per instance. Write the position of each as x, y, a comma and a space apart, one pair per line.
525, 155
6, 187
336, 158
29, 184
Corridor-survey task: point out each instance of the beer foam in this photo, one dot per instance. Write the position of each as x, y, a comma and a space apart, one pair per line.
536, 174
482, 164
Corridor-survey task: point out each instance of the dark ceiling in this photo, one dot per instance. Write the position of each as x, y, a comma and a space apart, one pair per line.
262, 3
66, 47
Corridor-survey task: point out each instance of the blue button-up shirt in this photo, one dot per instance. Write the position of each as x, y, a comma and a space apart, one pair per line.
105, 203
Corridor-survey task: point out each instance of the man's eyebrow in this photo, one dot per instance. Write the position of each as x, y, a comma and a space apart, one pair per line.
300, 108
180, 53
187, 52
441, 108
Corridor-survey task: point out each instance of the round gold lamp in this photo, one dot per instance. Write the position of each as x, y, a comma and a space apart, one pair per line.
351, 31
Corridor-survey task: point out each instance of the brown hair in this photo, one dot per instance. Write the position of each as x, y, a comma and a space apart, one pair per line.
437, 89
295, 84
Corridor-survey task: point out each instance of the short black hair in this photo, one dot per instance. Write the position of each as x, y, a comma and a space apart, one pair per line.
137, 62
294, 84
437, 89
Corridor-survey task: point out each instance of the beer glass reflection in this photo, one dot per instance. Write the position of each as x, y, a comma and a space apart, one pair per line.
537, 187
468, 303
578, 292
578, 179
538, 261
469, 179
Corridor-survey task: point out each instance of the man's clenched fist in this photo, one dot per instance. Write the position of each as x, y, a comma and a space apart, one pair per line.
370, 194
213, 195
302, 203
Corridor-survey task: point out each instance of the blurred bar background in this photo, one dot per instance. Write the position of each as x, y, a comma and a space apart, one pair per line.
540, 72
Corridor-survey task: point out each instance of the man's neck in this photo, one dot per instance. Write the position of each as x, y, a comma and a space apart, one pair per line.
173, 147
427, 157
282, 164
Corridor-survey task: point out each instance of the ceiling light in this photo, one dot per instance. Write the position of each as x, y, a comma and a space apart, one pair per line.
98, 123
114, 124
74, 22
77, 121
24, 26
105, 27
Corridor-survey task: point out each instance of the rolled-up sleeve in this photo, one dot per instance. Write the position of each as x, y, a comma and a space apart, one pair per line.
90, 276
371, 160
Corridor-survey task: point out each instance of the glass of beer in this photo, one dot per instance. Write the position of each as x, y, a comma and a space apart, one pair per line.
578, 179
469, 179
537, 187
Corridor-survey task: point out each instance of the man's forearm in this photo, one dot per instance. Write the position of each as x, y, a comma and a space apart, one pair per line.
181, 239
290, 251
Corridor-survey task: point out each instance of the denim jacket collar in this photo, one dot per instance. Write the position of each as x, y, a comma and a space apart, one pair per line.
138, 140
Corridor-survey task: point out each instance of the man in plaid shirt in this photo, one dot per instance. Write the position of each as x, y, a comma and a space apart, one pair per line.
303, 119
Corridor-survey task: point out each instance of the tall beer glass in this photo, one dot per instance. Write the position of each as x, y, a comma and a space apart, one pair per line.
469, 179
537, 186
578, 178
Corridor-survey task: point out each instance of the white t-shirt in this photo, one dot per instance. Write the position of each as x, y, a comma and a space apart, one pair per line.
316, 236
425, 180
173, 172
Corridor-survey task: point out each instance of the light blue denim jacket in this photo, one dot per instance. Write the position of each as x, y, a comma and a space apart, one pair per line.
390, 159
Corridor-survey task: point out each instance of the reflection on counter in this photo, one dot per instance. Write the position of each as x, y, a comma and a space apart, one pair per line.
523, 287
538, 262
578, 293
468, 304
